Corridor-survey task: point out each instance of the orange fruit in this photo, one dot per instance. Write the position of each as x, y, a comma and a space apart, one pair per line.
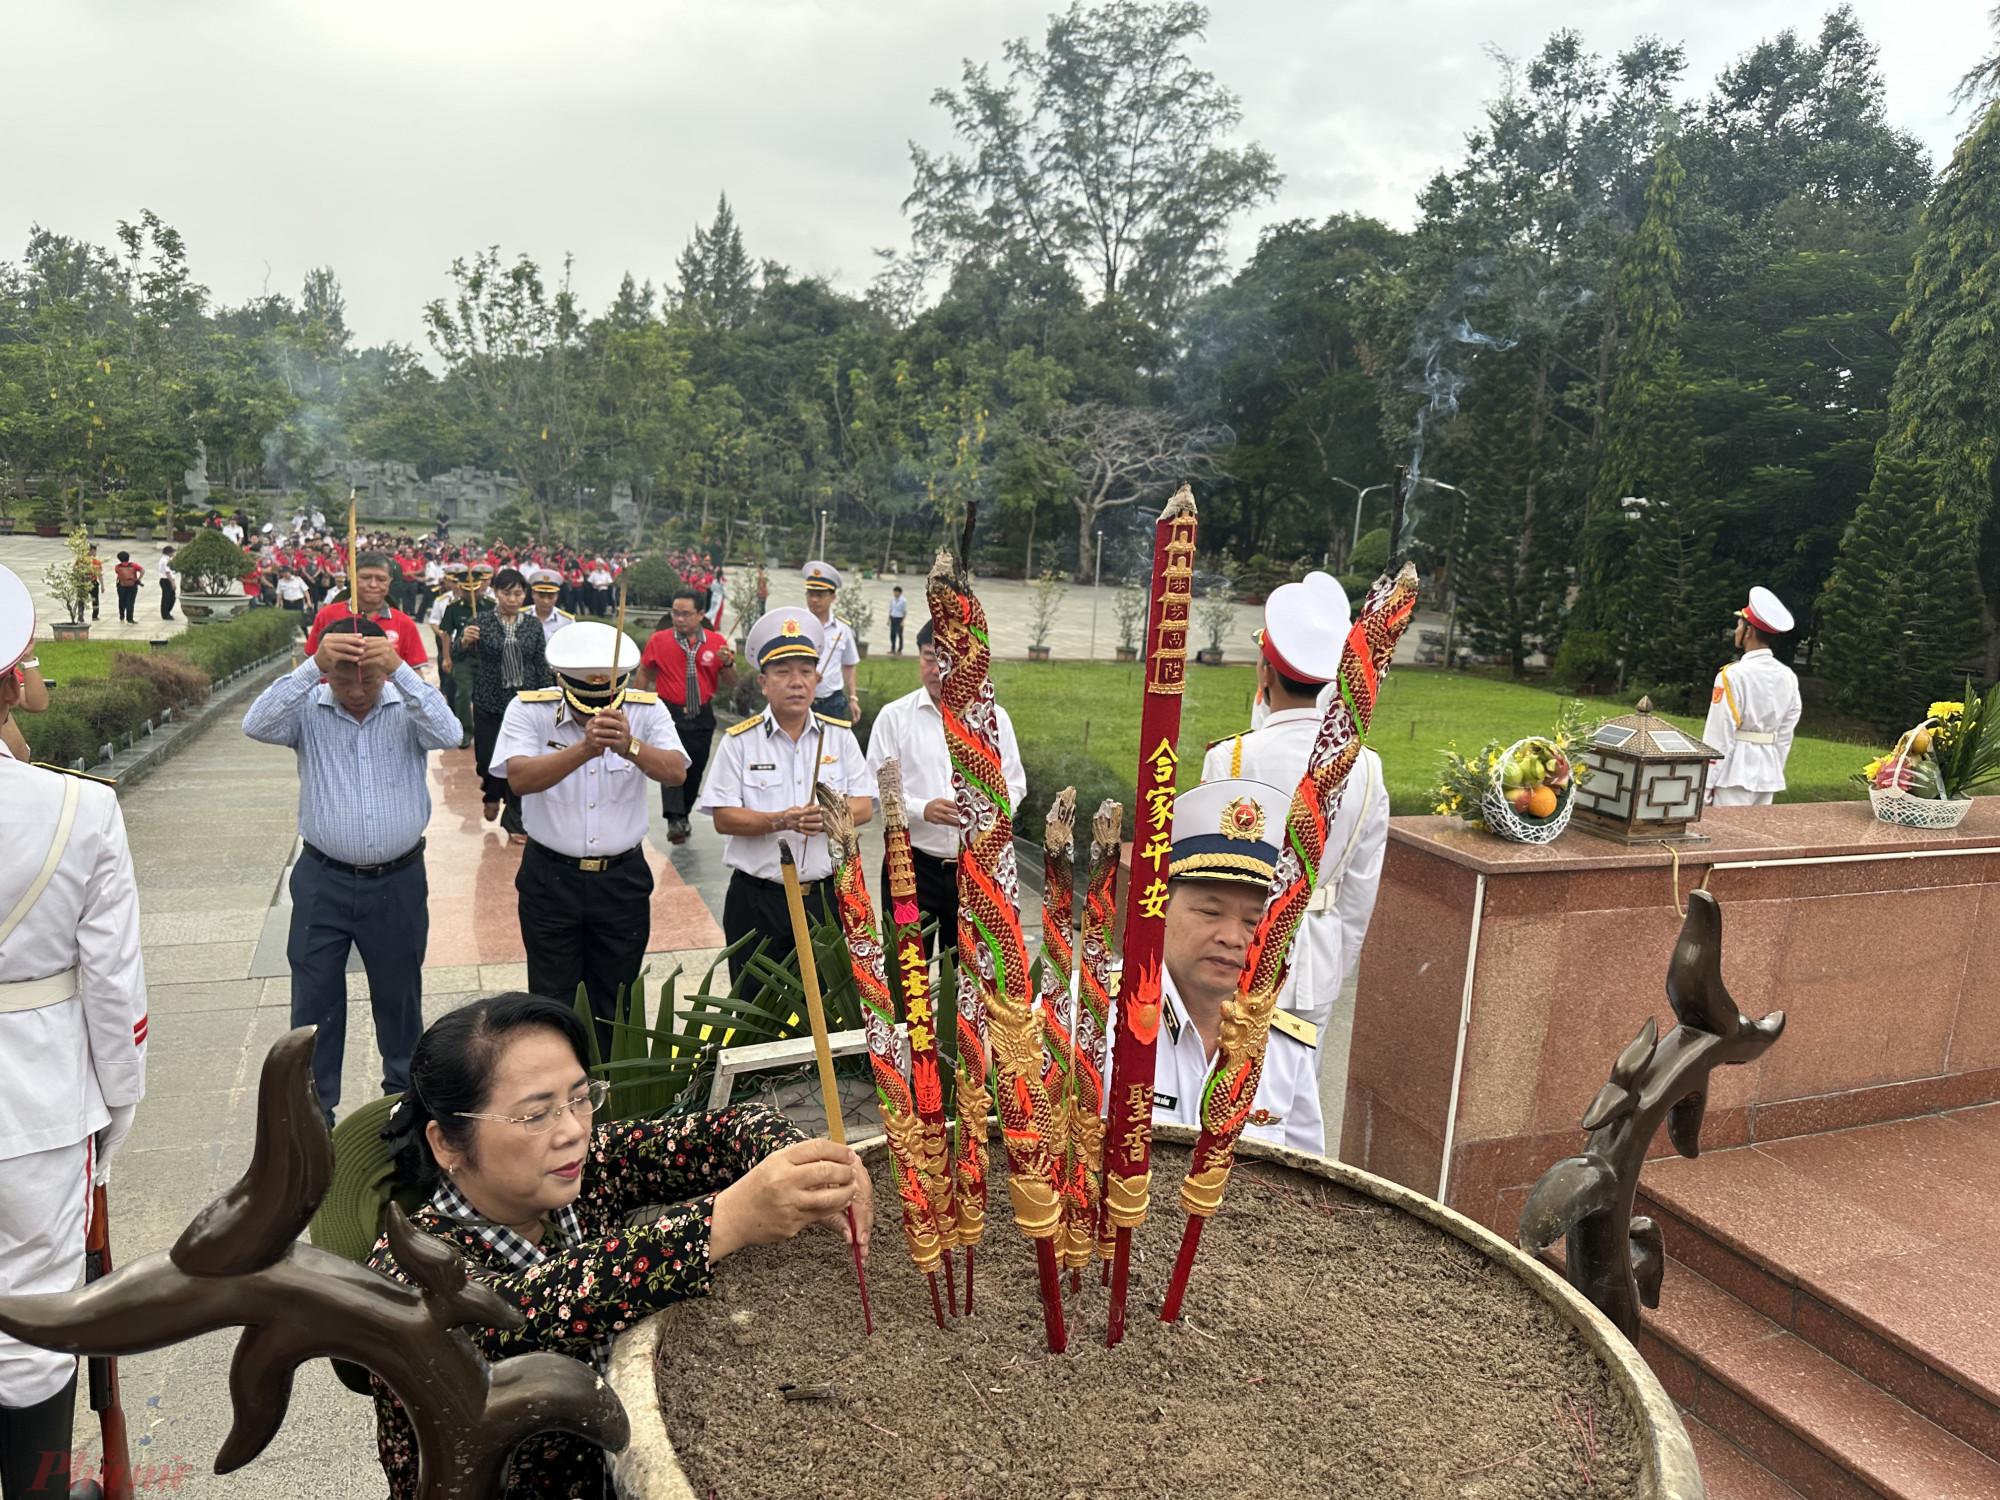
1541, 801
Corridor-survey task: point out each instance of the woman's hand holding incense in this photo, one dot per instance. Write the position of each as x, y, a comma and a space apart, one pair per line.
807, 1182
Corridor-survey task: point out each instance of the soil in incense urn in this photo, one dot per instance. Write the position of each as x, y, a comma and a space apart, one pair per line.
1331, 1346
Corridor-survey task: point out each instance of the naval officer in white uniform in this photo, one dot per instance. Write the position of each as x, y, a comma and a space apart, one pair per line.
760, 788
838, 695
1225, 845
1305, 632
72, 1045
1753, 709
583, 755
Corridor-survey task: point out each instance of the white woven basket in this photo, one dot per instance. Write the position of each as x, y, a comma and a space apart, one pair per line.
1519, 828
1906, 809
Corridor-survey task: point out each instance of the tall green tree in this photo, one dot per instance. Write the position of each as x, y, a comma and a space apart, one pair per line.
718, 284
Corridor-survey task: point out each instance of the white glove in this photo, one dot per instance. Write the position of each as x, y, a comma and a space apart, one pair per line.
111, 1137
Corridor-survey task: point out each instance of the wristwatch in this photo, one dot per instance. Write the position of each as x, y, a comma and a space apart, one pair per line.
632, 750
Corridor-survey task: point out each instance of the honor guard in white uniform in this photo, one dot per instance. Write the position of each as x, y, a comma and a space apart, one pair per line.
1225, 845
838, 695
760, 788
1753, 709
545, 584
1305, 631
72, 1045
582, 754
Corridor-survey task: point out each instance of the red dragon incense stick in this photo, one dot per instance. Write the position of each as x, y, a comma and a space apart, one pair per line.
899, 1115
990, 943
1092, 1035
1129, 1136
1228, 1096
1055, 1013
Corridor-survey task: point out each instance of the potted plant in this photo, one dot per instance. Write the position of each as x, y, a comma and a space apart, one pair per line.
69, 583
49, 511
211, 569
1927, 781
1049, 591
144, 519
1218, 617
853, 607
1129, 605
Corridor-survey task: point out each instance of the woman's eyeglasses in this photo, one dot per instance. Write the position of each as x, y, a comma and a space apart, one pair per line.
542, 1121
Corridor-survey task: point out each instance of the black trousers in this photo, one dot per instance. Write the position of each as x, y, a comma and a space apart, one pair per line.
697, 733
35, 1446
387, 918
168, 594
485, 734
937, 896
758, 906
128, 602
896, 634
587, 927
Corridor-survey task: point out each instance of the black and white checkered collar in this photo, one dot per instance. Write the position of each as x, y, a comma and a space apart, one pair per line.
520, 1253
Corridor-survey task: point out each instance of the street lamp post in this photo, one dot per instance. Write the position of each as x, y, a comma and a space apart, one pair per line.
1096, 579
1360, 495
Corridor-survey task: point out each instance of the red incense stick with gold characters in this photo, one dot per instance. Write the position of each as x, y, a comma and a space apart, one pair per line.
931, 1149
1231, 1090
1128, 1140
990, 941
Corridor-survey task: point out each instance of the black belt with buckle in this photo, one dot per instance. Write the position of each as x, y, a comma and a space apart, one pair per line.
593, 863
398, 863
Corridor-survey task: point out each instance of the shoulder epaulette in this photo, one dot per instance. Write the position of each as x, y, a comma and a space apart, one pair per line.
540, 695
42, 765
640, 695
836, 723
1228, 737
1297, 1028
746, 726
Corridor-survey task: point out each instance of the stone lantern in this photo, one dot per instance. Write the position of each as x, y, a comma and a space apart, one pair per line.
1648, 780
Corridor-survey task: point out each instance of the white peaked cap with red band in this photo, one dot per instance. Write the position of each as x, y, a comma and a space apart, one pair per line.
17, 619
1767, 612
1305, 628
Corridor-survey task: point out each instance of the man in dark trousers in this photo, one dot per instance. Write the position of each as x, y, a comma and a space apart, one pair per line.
685, 666
363, 725
580, 755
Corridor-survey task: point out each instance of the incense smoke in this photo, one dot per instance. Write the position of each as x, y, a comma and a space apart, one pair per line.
1448, 330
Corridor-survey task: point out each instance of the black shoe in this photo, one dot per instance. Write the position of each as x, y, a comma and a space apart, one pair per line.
677, 830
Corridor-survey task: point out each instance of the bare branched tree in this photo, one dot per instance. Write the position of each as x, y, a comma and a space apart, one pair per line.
1122, 455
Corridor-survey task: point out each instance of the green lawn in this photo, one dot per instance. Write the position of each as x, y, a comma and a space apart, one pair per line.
72, 661
1063, 710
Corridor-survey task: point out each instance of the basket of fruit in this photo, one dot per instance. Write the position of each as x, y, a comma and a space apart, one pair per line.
1528, 796
1520, 791
1928, 779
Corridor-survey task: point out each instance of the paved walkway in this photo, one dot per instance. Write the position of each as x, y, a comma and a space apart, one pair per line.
30, 557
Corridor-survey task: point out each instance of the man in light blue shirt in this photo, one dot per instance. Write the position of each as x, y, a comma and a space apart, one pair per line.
363, 725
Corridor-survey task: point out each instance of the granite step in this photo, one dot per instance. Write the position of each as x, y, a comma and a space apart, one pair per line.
1808, 1421
1874, 1246
1727, 1472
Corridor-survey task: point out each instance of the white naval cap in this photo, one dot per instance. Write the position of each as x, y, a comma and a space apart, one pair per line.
591, 651
1228, 830
821, 575
17, 619
1767, 612
782, 634
544, 578
1305, 628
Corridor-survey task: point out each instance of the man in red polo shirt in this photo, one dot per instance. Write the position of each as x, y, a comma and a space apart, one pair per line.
684, 666
371, 572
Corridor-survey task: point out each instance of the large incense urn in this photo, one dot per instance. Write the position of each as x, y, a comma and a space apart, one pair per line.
1346, 1336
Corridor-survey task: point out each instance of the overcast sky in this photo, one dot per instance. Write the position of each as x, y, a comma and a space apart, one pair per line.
384, 137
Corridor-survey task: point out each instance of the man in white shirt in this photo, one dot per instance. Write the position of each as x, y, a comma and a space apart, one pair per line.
837, 696
1753, 709
582, 755
1225, 846
545, 584
899, 609
911, 730
1304, 634
72, 1046
760, 789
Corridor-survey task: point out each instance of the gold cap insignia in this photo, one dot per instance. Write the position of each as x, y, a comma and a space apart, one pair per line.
791, 627
1243, 819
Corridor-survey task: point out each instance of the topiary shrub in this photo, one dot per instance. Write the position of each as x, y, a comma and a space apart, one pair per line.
650, 583
220, 649
1587, 662
212, 564
1371, 553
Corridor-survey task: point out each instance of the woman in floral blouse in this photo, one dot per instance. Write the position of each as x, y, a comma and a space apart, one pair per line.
497, 1122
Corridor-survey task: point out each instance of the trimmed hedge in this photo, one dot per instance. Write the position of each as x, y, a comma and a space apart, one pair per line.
87, 713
